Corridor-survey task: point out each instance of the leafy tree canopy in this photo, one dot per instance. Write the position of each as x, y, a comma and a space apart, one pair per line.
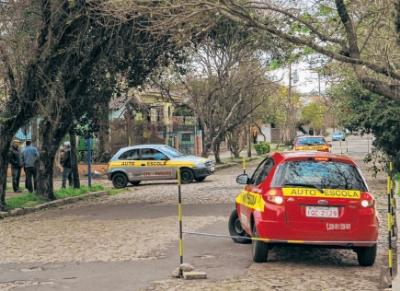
369, 113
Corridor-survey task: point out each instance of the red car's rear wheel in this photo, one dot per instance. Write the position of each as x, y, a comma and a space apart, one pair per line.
259, 250
366, 255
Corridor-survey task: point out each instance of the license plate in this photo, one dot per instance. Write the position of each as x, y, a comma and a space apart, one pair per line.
319, 211
212, 168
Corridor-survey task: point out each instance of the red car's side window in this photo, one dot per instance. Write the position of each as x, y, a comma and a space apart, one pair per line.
262, 171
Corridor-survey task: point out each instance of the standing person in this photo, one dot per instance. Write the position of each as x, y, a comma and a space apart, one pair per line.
16, 165
30, 156
67, 165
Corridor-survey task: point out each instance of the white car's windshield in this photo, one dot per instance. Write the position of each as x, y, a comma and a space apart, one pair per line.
171, 152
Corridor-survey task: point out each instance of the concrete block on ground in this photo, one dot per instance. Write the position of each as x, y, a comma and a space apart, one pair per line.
194, 275
185, 267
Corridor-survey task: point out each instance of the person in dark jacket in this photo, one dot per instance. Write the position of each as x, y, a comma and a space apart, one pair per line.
67, 166
30, 157
16, 165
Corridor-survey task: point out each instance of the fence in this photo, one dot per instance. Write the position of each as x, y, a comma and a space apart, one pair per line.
354, 145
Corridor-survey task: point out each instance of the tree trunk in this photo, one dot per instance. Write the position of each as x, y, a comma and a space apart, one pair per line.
3, 185
6, 135
5, 142
74, 160
233, 142
216, 150
206, 145
34, 127
45, 172
104, 149
50, 139
206, 150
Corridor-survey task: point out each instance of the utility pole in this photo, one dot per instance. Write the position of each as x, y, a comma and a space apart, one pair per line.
89, 158
249, 140
290, 116
319, 83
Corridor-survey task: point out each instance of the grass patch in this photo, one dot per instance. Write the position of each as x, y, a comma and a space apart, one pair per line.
23, 200
280, 148
113, 191
31, 199
72, 192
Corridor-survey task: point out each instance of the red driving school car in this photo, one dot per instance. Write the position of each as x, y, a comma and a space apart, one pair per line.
314, 198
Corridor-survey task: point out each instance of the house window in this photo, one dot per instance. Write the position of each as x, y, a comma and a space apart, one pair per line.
186, 137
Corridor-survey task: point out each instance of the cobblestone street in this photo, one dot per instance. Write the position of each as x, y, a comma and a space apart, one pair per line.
129, 242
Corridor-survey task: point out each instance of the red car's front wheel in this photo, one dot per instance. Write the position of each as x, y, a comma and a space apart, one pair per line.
236, 231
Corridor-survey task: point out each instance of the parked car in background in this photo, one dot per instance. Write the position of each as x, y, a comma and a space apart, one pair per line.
156, 162
338, 136
311, 143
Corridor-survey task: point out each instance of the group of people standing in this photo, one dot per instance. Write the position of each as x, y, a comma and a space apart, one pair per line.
28, 158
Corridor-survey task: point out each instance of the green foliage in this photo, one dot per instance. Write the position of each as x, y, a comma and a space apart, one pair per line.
280, 107
308, 51
366, 112
325, 10
313, 114
280, 148
275, 64
182, 110
226, 33
262, 148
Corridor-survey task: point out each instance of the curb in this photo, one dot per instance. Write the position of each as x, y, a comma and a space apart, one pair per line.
55, 203
232, 164
224, 166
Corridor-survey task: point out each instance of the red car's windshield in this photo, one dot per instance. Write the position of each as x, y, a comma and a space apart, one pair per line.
324, 175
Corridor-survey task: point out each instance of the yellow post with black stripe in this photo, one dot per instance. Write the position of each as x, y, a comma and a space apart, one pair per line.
178, 174
390, 218
393, 199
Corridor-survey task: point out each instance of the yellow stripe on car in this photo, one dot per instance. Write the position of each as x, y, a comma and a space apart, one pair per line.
311, 148
251, 200
139, 164
327, 193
